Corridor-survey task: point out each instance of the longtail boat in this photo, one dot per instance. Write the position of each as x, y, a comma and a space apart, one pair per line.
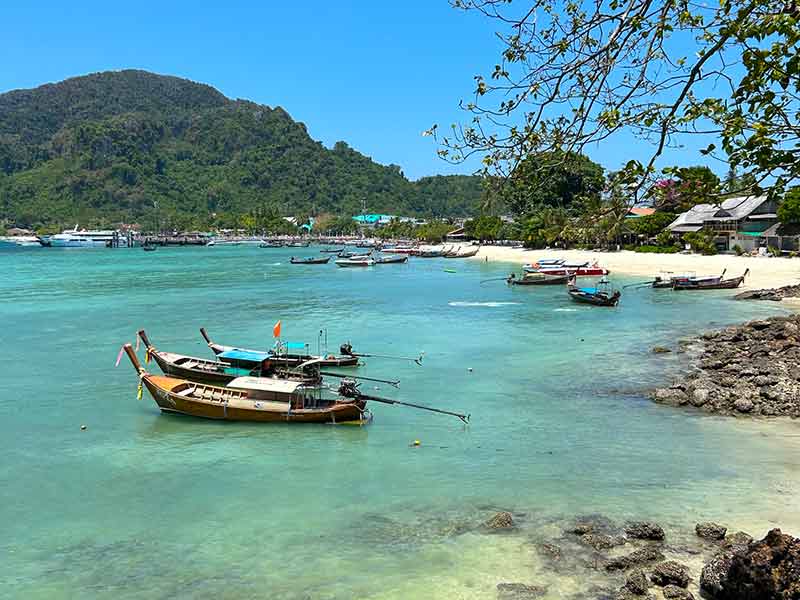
310, 260
356, 261
249, 399
719, 284
213, 371
537, 279
601, 295
331, 250
667, 280
388, 260
561, 267
466, 254
246, 358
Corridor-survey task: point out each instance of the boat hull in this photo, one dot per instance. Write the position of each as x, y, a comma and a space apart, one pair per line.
232, 405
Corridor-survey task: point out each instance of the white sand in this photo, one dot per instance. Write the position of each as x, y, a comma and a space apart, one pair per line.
765, 272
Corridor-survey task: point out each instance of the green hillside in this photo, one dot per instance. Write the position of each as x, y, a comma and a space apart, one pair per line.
101, 149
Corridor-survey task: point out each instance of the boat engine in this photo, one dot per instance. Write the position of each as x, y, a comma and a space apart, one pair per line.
346, 349
348, 389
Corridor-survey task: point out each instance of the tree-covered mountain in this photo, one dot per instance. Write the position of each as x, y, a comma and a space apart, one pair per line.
102, 148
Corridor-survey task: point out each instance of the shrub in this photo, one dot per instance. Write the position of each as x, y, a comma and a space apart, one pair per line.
702, 242
774, 251
738, 249
656, 249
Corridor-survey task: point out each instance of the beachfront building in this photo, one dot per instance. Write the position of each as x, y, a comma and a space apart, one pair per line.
742, 221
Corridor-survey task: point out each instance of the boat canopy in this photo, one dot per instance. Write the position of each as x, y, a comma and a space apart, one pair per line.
290, 346
265, 384
248, 355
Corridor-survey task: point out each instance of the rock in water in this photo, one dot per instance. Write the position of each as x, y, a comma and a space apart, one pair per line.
645, 530
501, 521
660, 350
634, 559
519, 591
673, 592
670, 573
601, 541
637, 583
714, 572
767, 570
549, 551
710, 531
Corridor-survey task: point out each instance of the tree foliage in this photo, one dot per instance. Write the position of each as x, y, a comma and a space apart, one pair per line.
575, 73
100, 149
789, 209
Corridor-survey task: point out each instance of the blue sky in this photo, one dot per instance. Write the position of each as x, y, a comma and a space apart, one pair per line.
372, 73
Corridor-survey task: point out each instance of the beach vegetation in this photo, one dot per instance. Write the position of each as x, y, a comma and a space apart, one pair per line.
701, 241
774, 251
738, 250
654, 249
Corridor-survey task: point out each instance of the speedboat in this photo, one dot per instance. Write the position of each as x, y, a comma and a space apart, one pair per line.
562, 267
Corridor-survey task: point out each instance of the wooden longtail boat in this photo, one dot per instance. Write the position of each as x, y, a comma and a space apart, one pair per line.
720, 284
597, 296
331, 250
668, 280
270, 245
537, 279
249, 399
309, 260
356, 261
214, 371
459, 254
388, 260
246, 358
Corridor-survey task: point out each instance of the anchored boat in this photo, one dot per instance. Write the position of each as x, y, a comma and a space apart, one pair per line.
710, 284
601, 295
537, 279
310, 260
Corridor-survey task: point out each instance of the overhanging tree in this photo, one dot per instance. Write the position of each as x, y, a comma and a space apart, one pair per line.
575, 73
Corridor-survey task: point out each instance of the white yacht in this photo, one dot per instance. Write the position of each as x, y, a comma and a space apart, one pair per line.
15, 241
74, 238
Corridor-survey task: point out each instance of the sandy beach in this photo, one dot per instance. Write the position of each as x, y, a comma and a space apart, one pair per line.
765, 272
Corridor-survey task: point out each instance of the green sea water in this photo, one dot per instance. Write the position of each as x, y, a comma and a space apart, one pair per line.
144, 505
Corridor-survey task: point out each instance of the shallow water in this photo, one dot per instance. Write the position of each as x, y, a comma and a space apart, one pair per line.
143, 505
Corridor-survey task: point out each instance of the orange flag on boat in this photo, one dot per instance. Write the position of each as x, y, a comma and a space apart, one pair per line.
276, 330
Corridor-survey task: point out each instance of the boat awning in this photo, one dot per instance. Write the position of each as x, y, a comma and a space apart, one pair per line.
265, 384
248, 355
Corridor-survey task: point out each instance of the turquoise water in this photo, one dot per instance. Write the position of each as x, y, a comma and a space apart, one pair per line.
144, 505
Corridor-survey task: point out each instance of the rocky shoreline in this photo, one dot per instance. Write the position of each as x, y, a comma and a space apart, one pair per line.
774, 294
750, 369
638, 560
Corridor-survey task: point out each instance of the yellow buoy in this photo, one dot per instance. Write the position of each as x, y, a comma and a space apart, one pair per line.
417, 442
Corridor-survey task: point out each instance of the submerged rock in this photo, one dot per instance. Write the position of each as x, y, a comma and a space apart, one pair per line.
660, 350
519, 591
500, 522
644, 530
670, 573
549, 551
637, 583
673, 592
636, 558
600, 541
710, 531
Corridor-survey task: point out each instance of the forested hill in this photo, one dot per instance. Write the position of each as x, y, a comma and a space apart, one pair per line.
103, 148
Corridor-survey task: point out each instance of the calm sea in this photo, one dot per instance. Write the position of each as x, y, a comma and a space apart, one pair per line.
144, 505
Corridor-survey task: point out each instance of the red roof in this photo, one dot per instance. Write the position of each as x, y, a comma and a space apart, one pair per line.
641, 211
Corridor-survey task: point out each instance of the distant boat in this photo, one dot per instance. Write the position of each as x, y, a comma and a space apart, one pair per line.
668, 280
537, 279
19, 241
270, 245
389, 260
149, 248
458, 253
562, 267
211, 243
332, 250
310, 260
363, 261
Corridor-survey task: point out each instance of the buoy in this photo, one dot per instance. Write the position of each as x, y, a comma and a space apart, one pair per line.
83, 427
416, 443
469, 369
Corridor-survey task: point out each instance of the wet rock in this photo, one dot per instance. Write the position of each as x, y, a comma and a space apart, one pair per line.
625, 594
710, 531
699, 397
670, 396
713, 573
645, 530
500, 522
549, 551
660, 350
636, 558
775, 294
670, 573
519, 591
743, 405
737, 541
637, 583
768, 569
581, 528
673, 592
600, 541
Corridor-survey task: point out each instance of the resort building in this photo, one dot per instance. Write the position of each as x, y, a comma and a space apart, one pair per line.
746, 221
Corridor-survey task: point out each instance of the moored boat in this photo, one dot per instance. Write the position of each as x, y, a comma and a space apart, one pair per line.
393, 259
560, 267
713, 284
459, 253
600, 295
310, 260
249, 399
356, 261
247, 358
537, 279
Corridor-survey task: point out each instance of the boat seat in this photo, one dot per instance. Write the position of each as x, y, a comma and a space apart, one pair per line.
187, 392
190, 364
207, 393
217, 396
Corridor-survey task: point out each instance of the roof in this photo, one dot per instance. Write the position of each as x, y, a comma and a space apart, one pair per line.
685, 228
250, 355
266, 384
641, 211
730, 209
373, 218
